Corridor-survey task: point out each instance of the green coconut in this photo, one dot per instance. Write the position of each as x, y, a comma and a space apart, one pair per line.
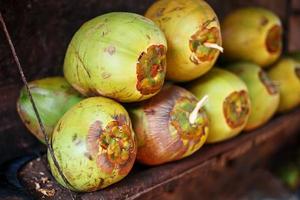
169, 126
53, 97
118, 55
228, 105
286, 74
252, 34
193, 33
94, 145
263, 92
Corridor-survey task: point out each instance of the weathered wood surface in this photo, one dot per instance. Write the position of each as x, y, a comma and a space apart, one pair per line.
15, 140
294, 32
210, 168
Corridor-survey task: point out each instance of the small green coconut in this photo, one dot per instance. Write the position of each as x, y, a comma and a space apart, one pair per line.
94, 145
264, 94
286, 74
53, 97
228, 106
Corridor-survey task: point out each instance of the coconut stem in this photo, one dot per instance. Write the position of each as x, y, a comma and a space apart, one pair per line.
194, 113
213, 46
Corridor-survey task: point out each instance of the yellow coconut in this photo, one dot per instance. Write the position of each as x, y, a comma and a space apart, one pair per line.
252, 34
193, 34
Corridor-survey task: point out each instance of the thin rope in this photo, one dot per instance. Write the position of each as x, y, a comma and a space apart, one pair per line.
49, 147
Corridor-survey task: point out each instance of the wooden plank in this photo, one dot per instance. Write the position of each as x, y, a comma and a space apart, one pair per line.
260, 184
147, 182
294, 42
296, 4
15, 140
9, 117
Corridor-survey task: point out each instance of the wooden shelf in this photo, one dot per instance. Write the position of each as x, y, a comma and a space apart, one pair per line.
209, 169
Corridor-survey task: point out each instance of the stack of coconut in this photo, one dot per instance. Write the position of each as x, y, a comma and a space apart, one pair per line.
120, 58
